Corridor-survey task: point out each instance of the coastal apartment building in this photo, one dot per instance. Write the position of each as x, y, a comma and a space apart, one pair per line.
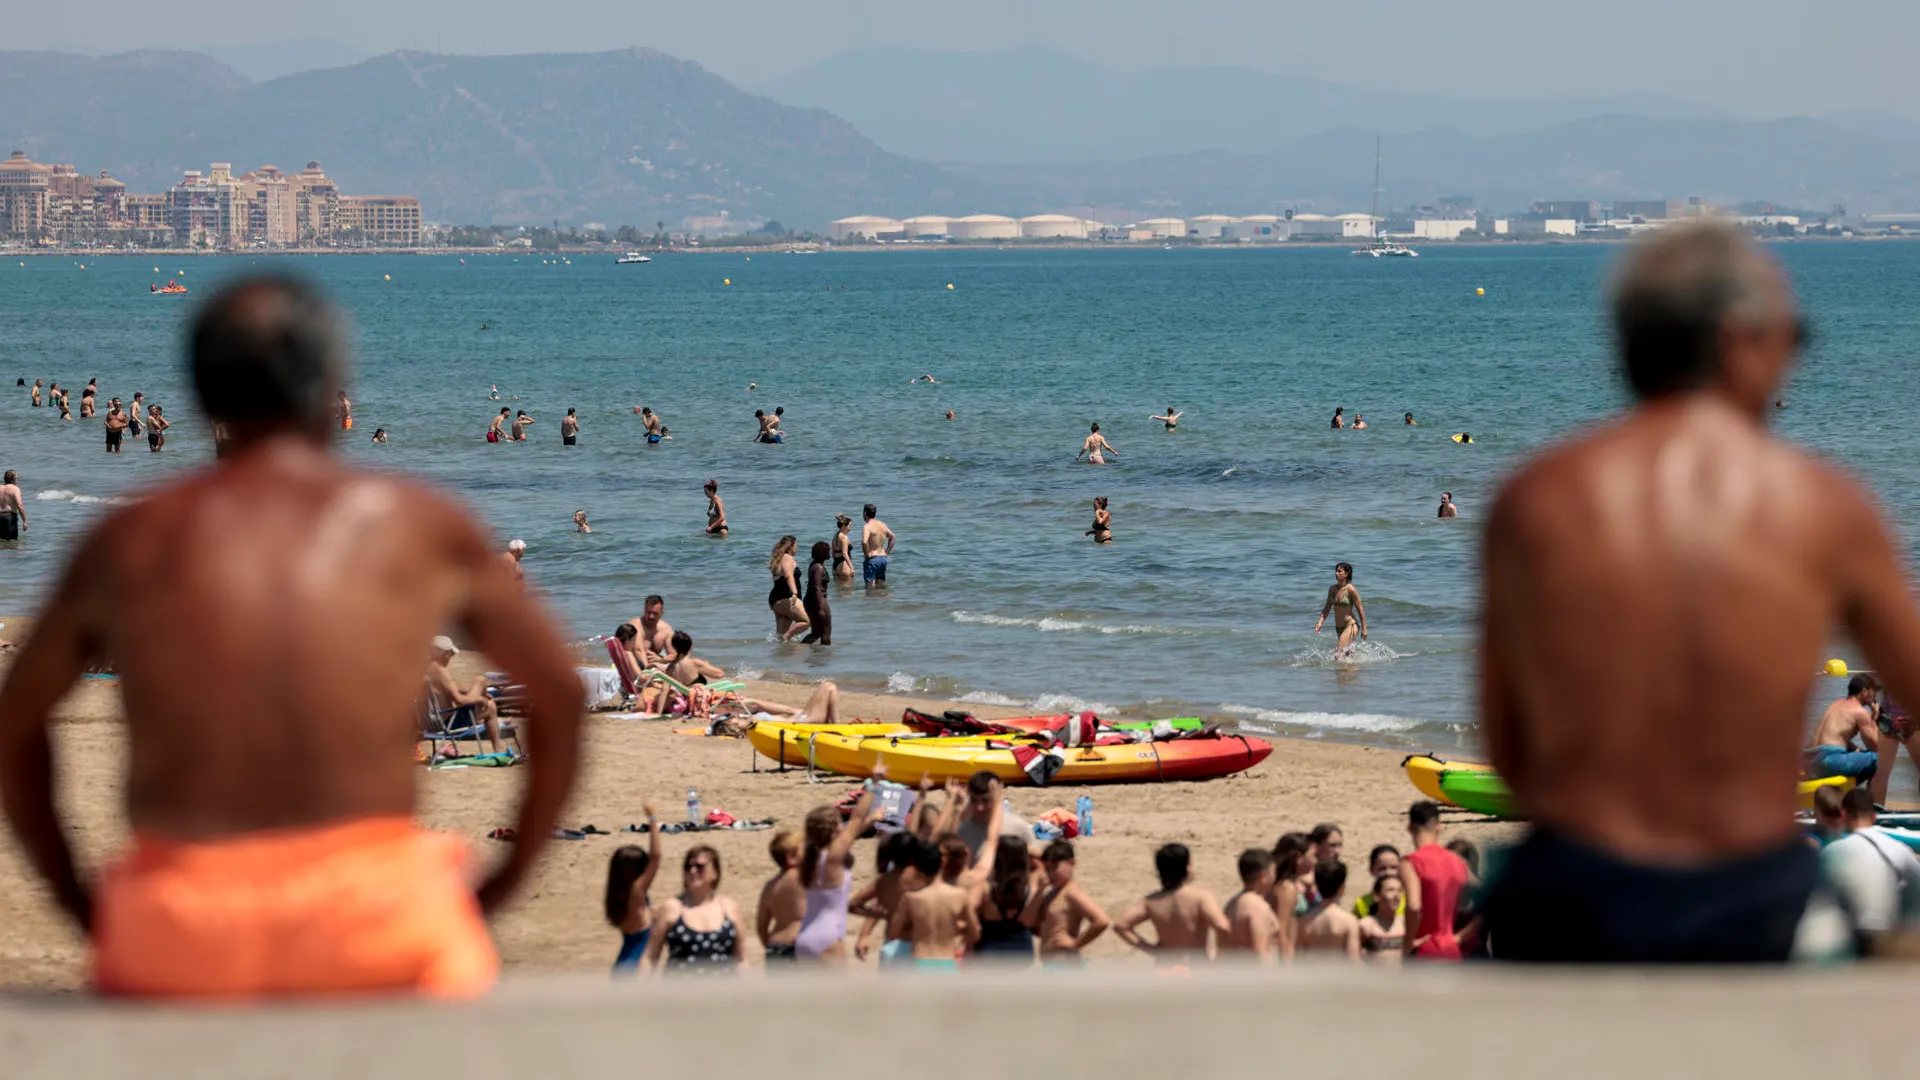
215, 209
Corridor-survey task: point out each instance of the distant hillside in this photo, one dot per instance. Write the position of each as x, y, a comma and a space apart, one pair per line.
1797, 162
630, 136
1038, 105
272, 59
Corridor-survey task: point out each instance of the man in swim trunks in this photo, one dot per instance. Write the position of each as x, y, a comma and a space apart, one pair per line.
454, 696
569, 428
13, 508
652, 423
1185, 917
116, 424
497, 430
305, 589
1830, 752
1658, 594
157, 425
876, 542
135, 413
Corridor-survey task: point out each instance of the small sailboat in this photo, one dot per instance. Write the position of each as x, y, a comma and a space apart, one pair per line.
1381, 247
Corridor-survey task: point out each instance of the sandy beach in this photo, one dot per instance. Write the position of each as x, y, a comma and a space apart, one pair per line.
556, 925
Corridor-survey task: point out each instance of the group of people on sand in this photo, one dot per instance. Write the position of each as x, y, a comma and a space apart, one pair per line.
962, 880
654, 648
120, 419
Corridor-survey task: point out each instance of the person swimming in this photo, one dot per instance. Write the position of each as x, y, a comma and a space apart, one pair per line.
1464, 438
1339, 417
1410, 421
1171, 419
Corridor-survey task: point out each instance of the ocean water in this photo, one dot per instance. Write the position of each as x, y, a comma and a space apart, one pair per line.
1225, 532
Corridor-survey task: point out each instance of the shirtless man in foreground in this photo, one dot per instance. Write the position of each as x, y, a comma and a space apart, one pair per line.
1068, 919
1658, 594
653, 647
1252, 925
1184, 915
1830, 752
306, 591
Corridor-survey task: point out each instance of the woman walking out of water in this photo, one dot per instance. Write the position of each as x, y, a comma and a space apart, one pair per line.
815, 602
1102, 531
789, 617
1091, 449
842, 549
1349, 614
716, 510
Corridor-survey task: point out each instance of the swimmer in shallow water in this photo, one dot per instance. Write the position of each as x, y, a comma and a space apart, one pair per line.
1093, 446
1349, 614
949, 415
580, 522
1464, 438
1447, 509
1171, 419
716, 510
1102, 531
379, 434
1339, 417
1410, 421
1359, 422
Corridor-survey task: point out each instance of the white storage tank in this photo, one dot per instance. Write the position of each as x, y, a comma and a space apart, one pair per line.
984, 227
926, 226
1209, 226
1161, 228
1053, 227
863, 227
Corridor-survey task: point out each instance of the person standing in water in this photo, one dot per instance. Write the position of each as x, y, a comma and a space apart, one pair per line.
570, 428
521, 422
346, 412
116, 426
13, 508
789, 616
1339, 417
876, 543
1171, 419
716, 510
1102, 531
819, 613
1359, 422
580, 522
842, 550
1349, 614
496, 431
1409, 421
1447, 509
37, 384
157, 426
1093, 446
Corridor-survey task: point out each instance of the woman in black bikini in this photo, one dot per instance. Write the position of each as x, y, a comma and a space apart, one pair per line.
789, 617
1102, 531
819, 614
842, 550
697, 932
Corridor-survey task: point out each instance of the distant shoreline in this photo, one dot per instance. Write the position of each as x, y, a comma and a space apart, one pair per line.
1023, 245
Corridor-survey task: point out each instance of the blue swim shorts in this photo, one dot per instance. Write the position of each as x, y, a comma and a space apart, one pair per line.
875, 569
1824, 761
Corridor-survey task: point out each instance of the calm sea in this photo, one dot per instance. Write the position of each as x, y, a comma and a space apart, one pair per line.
1225, 533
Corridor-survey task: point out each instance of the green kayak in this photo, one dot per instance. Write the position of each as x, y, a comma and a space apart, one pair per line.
1479, 790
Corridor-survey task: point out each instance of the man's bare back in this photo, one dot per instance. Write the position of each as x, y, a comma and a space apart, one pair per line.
938, 920
1253, 927
1844, 721
1184, 922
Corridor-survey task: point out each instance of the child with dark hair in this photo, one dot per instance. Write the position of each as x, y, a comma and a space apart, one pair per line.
630, 874
1186, 919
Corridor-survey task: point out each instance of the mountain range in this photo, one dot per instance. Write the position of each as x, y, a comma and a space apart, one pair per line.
636, 136
1038, 105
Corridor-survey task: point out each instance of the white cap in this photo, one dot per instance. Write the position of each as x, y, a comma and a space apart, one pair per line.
516, 546
443, 643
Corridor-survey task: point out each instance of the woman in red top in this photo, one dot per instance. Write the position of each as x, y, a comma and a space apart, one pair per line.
1434, 878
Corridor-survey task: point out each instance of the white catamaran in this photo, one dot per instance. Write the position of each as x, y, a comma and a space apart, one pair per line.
1381, 247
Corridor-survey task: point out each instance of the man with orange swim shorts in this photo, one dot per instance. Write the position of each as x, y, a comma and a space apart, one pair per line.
271, 780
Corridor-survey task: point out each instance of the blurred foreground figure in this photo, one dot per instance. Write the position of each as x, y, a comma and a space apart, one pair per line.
1658, 593
271, 724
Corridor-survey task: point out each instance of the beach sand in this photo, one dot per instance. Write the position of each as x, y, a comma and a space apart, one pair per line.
555, 923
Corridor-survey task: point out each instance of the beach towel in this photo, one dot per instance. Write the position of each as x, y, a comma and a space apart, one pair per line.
1061, 819
370, 905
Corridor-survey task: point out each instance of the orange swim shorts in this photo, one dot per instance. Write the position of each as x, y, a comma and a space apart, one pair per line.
367, 906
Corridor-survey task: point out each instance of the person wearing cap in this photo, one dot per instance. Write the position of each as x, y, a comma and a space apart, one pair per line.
451, 696
515, 549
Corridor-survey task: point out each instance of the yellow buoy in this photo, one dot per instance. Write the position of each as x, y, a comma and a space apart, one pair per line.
1837, 668
949, 286
156, 269
726, 281
386, 277
749, 258
1479, 292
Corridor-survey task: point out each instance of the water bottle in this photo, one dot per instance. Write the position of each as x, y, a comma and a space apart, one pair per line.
1084, 809
693, 807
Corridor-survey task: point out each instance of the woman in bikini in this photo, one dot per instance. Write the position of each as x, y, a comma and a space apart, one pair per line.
698, 930
1294, 893
1349, 614
716, 510
789, 616
1102, 531
1092, 448
1383, 931
1171, 419
842, 550
630, 876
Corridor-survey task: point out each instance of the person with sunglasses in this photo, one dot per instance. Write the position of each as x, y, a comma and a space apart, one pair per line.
698, 931
1658, 592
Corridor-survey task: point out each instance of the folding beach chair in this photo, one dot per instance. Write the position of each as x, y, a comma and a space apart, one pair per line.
632, 679
727, 693
447, 726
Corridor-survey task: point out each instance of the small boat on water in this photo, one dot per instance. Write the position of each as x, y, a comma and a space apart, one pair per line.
632, 257
170, 288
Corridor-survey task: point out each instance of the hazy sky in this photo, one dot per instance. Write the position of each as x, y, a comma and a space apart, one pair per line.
1763, 57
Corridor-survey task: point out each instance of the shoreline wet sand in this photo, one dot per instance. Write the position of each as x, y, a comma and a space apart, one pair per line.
555, 924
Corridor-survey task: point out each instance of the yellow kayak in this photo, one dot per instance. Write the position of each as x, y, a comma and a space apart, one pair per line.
787, 743
938, 759
1423, 771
